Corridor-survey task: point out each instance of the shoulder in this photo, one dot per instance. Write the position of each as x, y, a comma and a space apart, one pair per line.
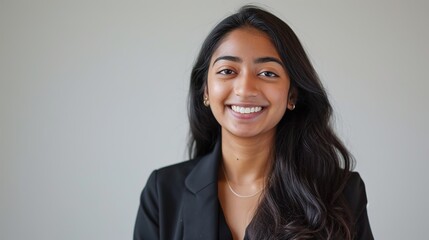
178, 169
355, 187
160, 201
165, 184
355, 194
172, 175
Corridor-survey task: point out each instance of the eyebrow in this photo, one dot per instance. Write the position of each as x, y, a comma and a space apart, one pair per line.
268, 59
229, 58
258, 60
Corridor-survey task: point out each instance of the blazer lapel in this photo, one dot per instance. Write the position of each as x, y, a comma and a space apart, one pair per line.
201, 205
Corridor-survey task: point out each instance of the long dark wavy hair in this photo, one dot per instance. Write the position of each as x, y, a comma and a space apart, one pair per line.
303, 198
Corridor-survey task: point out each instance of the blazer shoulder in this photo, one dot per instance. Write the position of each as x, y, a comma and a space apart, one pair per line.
355, 194
172, 177
177, 170
160, 202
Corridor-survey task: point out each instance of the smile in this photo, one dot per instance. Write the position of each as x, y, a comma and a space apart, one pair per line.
244, 110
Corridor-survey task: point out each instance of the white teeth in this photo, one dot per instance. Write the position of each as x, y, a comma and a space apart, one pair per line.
244, 110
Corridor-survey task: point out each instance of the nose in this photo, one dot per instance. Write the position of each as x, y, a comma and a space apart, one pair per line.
246, 85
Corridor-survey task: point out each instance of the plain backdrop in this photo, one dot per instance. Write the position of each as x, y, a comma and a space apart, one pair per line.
93, 98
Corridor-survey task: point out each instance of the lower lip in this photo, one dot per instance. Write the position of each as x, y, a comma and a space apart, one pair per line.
245, 116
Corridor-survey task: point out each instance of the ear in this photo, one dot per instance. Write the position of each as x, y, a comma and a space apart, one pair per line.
292, 98
206, 91
206, 100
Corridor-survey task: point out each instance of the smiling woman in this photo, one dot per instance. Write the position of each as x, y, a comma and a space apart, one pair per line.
247, 74
266, 163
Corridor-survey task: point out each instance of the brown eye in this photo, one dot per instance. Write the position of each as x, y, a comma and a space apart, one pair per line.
268, 74
226, 72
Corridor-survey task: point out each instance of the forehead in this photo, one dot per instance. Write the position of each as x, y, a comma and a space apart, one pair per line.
246, 43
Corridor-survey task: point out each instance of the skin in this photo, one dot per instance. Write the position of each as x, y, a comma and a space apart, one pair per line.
246, 71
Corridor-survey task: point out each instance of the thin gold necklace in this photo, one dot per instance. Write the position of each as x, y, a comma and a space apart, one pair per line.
234, 192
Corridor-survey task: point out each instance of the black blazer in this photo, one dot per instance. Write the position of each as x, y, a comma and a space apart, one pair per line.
181, 202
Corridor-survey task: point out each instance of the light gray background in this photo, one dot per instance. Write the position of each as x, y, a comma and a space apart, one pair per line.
93, 98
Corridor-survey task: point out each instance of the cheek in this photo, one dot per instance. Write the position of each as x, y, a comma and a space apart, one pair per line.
278, 97
217, 92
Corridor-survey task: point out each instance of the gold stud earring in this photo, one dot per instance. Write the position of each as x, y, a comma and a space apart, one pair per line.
206, 101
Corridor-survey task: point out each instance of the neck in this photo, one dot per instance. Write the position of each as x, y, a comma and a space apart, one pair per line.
247, 160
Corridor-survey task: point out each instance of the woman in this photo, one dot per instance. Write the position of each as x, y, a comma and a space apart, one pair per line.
266, 163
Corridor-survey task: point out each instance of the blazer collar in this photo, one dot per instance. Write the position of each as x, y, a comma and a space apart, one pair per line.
201, 204
205, 172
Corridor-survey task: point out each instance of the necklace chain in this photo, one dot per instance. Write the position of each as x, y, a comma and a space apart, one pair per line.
234, 192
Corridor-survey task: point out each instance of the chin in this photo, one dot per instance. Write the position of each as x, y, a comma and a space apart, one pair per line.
244, 133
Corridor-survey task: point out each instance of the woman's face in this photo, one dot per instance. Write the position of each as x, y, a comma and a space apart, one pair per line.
247, 84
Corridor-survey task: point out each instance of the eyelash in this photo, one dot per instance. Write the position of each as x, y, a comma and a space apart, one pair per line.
268, 74
226, 72
264, 73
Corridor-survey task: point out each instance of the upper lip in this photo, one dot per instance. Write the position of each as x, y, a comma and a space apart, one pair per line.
246, 104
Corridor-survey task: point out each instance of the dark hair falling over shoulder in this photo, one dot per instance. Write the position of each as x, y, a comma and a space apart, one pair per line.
303, 199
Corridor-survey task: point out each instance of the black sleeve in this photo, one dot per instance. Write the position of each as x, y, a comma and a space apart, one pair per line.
146, 227
356, 196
